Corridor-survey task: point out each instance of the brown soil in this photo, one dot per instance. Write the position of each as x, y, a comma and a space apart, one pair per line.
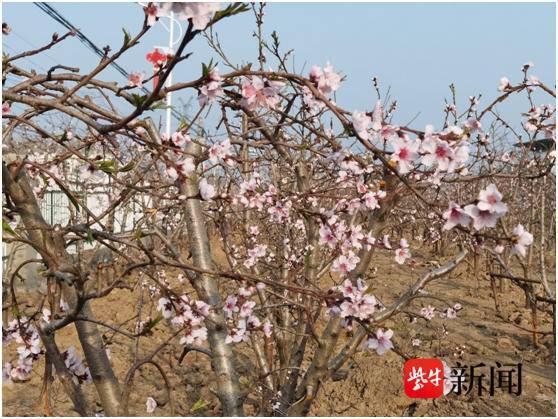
373, 385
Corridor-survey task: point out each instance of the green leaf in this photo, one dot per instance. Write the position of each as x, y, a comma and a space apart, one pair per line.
206, 69
233, 9
127, 37
89, 238
128, 167
7, 228
72, 200
153, 322
107, 166
200, 404
160, 105
182, 124
138, 99
15, 311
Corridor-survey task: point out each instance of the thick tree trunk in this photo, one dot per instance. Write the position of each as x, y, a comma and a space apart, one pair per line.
228, 388
50, 245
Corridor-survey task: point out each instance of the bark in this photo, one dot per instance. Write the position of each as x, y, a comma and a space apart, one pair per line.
206, 286
50, 244
318, 370
72, 390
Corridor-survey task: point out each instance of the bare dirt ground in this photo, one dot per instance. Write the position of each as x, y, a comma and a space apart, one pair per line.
373, 385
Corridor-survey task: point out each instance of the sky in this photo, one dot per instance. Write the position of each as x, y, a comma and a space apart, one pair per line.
415, 49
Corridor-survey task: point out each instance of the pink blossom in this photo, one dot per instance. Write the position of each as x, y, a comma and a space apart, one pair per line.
345, 263
490, 199
370, 200
361, 124
202, 308
326, 80
200, 12
6, 109
368, 240
280, 211
150, 405
403, 253
179, 139
171, 173
356, 303
186, 167
245, 292
207, 191
237, 334
481, 219
253, 322
246, 309
385, 241
254, 254
449, 314
151, 11
454, 215
220, 151
260, 93
405, 153
504, 84
428, 312
315, 105
377, 117
460, 156
196, 336
381, 342
473, 124
436, 152
211, 90
135, 79
165, 307
230, 305
327, 236
521, 239
267, 326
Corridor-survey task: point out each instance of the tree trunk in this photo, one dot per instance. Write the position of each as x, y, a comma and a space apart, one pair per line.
228, 388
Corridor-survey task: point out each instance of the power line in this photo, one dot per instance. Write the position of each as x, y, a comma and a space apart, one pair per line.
14, 51
53, 13
13, 32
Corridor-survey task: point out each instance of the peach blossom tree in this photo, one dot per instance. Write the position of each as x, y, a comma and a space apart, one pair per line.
274, 224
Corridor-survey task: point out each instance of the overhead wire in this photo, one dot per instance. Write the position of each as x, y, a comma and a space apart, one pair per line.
54, 14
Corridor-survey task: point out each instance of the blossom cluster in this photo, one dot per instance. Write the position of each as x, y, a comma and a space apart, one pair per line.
200, 12
239, 309
79, 372
260, 92
449, 313
211, 89
23, 332
355, 304
446, 151
187, 314
485, 213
